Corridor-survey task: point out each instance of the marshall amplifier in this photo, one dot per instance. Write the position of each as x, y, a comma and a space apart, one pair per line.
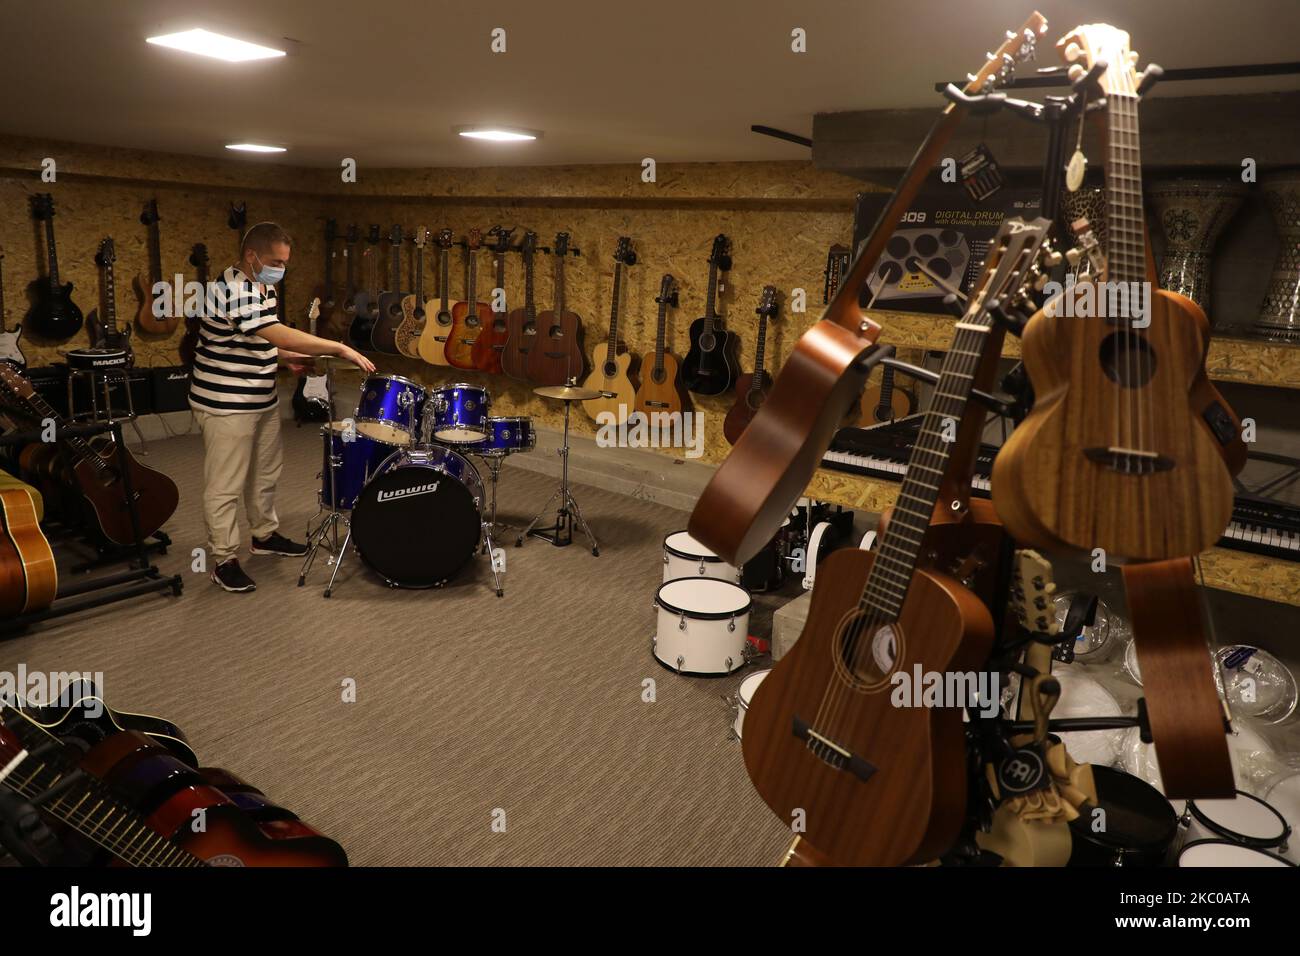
137, 380
171, 388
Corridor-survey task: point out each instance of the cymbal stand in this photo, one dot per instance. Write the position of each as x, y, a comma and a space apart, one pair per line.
326, 535
560, 534
494, 464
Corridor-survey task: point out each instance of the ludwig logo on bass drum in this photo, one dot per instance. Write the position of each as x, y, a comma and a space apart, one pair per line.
409, 492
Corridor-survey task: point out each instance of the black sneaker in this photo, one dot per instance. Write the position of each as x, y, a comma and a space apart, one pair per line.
278, 544
229, 575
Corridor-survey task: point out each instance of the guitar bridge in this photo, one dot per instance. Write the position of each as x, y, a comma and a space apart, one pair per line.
1129, 461
830, 753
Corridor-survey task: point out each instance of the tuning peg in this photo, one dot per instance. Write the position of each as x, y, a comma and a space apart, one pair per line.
1053, 259
1132, 57
1148, 78
1073, 51
1073, 256
1076, 72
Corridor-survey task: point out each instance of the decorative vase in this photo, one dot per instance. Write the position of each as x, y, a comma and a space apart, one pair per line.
1279, 317
1192, 214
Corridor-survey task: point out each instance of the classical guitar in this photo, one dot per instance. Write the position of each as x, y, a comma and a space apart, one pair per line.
433, 340
611, 363
414, 314
825, 743
10, 350
710, 365
466, 316
1113, 454
107, 340
365, 302
28, 577
753, 491
144, 283
383, 334
521, 324
190, 340
53, 314
558, 356
491, 341
660, 391
311, 399
752, 390
326, 291
97, 472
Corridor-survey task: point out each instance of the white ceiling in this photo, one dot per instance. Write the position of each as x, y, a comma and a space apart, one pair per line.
607, 80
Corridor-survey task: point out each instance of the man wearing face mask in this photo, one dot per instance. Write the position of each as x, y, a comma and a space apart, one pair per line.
235, 401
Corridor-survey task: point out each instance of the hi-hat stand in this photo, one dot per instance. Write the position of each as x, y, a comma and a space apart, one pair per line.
325, 536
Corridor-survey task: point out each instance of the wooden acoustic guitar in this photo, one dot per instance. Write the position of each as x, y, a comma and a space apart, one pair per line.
558, 357
825, 743
611, 364
886, 402
414, 315
144, 283
492, 339
753, 491
28, 576
1113, 454
660, 391
710, 366
383, 335
521, 324
752, 390
433, 340
466, 316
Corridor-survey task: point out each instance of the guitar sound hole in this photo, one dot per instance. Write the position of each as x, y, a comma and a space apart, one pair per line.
1127, 359
610, 369
867, 652
707, 341
658, 377
444, 318
530, 328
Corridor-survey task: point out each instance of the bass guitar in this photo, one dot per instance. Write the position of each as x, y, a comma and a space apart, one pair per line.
144, 283
466, 321
414, 310
28, 576
10, 350
1113, 454
190, 340
365, 303
311, 399
558, 356
742, 507
383, 334
826, 741
660, 391
611, 363
53, 314
433, 340
752, 390
491, 341
710, 366
521, 324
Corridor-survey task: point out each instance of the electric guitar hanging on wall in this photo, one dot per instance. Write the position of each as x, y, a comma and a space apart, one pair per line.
144, 283
107, 341
414, 314
466, 317
365, 303
710, 366
611, 364
660, 391
521, 324
383, 334
350, 272
491, 342
53, 314
433, 340
558, 356
10, 350
751, 390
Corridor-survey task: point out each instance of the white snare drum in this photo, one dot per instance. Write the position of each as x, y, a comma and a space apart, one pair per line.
684, 557
1084, 697
743, 698
703, 626
1244, 820
1223, 853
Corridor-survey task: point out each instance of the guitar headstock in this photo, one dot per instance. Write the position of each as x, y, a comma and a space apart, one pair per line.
331, 231
1092, 43
667, 291
149, 215
373, 237
395, 235
237, 217
767, 304
421, 237
529, 244
474, 240
199, 255
1020, 46
354, 235
501, 238
623, 253
313, 310
1011, 264
43, 206
107, 254
1032, 590
446, 238
720, 254
15, 382
561, 243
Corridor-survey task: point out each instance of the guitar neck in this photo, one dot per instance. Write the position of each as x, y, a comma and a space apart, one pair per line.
397, 265
712, 297
559, 286
1126, 246
472, 285
445, 279
613, 311
756, 384
52, 252
661, 337
110, 301
530, 307
349, 253
155, 253
419, 277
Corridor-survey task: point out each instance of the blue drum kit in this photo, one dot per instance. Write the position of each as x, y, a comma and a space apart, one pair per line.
397, 480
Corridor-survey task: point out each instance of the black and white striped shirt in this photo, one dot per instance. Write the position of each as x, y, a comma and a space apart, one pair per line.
234, 368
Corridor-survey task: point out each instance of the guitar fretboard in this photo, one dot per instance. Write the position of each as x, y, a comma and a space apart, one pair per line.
1126, 245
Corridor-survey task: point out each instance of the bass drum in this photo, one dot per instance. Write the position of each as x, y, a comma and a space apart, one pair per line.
419, 520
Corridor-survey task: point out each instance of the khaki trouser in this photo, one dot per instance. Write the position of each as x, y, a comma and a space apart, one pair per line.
242, 457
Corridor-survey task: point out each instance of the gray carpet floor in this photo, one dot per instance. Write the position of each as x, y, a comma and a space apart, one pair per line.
466, 704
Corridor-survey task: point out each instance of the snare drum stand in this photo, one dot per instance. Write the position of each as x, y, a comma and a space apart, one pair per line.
560, 534
326, 534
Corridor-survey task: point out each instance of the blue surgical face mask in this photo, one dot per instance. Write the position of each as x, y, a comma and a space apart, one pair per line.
269, 275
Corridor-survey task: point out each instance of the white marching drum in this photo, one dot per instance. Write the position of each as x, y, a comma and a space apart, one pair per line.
1244, 820
703, 626
1222, 853
744, 696
684, 557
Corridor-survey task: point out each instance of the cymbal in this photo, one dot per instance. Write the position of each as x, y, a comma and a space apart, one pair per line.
567, 393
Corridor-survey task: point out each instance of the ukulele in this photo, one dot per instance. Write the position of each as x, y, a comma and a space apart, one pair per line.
886, 402
325, 291
1113, 454
433, 340
491, 342
365, 303
383, 334
407, 336
53, 314
466, 322
660, 391
751, 390
742, 507
97, 472
311, 399
193, 317
10, 350
879, 784
28, 576
558, 356
521, 324
710, 365
106, 339
146, 316
611, 364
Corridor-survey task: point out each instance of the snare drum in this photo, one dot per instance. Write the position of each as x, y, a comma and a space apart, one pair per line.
388, 408
1222, 853
1084, 697
744, 697
354, 458
1137, 828
1243, 819
684, 557
703, 626
460, 413
505, 437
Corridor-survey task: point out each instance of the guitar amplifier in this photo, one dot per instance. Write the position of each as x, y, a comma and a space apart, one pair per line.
138, 380
171, 388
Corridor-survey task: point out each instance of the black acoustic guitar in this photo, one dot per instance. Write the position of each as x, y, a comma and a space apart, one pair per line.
711, 366
53, 314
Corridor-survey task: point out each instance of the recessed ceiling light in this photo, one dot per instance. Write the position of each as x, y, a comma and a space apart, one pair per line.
255, 148
207, 43
497, 134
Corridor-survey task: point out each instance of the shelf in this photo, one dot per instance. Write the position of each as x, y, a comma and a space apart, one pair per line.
1256, 575
1231, 358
